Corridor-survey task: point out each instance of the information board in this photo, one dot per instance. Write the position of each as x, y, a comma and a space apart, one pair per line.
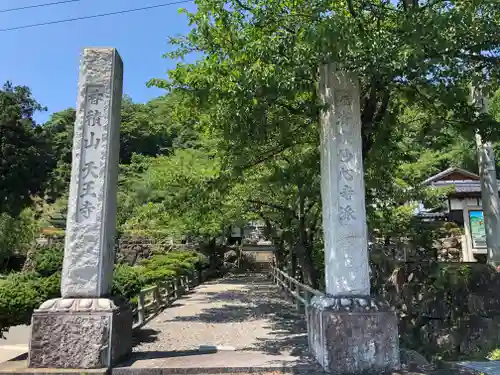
477, 229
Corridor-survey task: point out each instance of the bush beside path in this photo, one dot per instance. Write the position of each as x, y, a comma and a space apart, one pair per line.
22, 292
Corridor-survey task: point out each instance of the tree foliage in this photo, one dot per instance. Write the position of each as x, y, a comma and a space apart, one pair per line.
23, 150
255, 92
235, 137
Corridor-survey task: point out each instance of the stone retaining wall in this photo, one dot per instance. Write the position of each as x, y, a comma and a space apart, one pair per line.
449, 249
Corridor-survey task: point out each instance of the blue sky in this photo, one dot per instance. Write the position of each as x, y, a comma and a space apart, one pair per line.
46, 58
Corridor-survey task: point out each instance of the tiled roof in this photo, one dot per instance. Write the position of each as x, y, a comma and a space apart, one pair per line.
466, 186
449, 171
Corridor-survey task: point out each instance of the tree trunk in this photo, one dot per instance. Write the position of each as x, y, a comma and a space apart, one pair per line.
293, 264
280, 252
304, 250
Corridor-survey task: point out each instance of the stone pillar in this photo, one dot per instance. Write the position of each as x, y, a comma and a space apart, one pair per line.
349, 330
490, 199
87, 328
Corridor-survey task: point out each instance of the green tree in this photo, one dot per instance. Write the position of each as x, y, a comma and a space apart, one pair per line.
145, 129
259, 73
150, 130
24, 164
59, 132
171, 194
254, 89
17, 235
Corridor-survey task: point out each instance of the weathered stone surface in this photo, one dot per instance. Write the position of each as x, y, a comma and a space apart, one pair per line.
78, 305
448, 249
451, 242
133, 249
350, 303
342, 186
80, 334
473, 336
346, 342
349, 331
69, 341
412, 360
91, 220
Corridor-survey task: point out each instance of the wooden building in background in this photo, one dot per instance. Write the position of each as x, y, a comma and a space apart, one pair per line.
463, 208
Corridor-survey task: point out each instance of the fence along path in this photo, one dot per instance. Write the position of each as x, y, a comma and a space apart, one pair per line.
254, 320
152, 300
237, 321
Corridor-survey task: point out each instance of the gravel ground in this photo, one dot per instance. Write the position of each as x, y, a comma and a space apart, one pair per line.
246, 312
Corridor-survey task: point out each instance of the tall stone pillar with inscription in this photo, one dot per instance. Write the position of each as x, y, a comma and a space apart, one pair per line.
87, 328
349, 331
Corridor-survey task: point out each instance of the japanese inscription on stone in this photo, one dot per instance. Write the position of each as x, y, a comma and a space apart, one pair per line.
347, 161
90, 157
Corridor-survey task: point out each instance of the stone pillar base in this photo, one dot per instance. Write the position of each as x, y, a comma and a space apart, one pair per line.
80, 333
353, 335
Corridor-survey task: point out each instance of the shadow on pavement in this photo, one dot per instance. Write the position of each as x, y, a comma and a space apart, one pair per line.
144, 335
259, 299
253, 297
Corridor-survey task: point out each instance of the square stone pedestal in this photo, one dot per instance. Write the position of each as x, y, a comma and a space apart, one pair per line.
80, 333
353, 335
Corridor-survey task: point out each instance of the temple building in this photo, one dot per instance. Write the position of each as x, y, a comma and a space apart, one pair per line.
463, 208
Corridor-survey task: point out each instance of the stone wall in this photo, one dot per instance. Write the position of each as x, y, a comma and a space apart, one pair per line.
449, 249
129, 249
132, 249
446, 310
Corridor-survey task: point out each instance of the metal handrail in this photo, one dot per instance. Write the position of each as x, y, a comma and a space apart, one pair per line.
301, 293
152, 300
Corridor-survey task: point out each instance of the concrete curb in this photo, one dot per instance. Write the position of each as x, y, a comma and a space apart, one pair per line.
306, 369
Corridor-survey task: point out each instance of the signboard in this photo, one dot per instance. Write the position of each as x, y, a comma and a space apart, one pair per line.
235, 232
477, 229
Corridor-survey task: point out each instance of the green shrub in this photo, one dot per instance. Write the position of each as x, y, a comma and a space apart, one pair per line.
154, 277
127, 280
48, 260
50, 287
163, 267
494, 355
19, 296
21, 293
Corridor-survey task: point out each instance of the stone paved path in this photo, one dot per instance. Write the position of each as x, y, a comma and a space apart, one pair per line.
245, 316
486, 367
15, 343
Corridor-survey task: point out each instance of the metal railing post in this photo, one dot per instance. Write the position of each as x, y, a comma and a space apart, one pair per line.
141, 313
174, 288
297, 300
157, 298
307, 298
180, 285
299, 293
